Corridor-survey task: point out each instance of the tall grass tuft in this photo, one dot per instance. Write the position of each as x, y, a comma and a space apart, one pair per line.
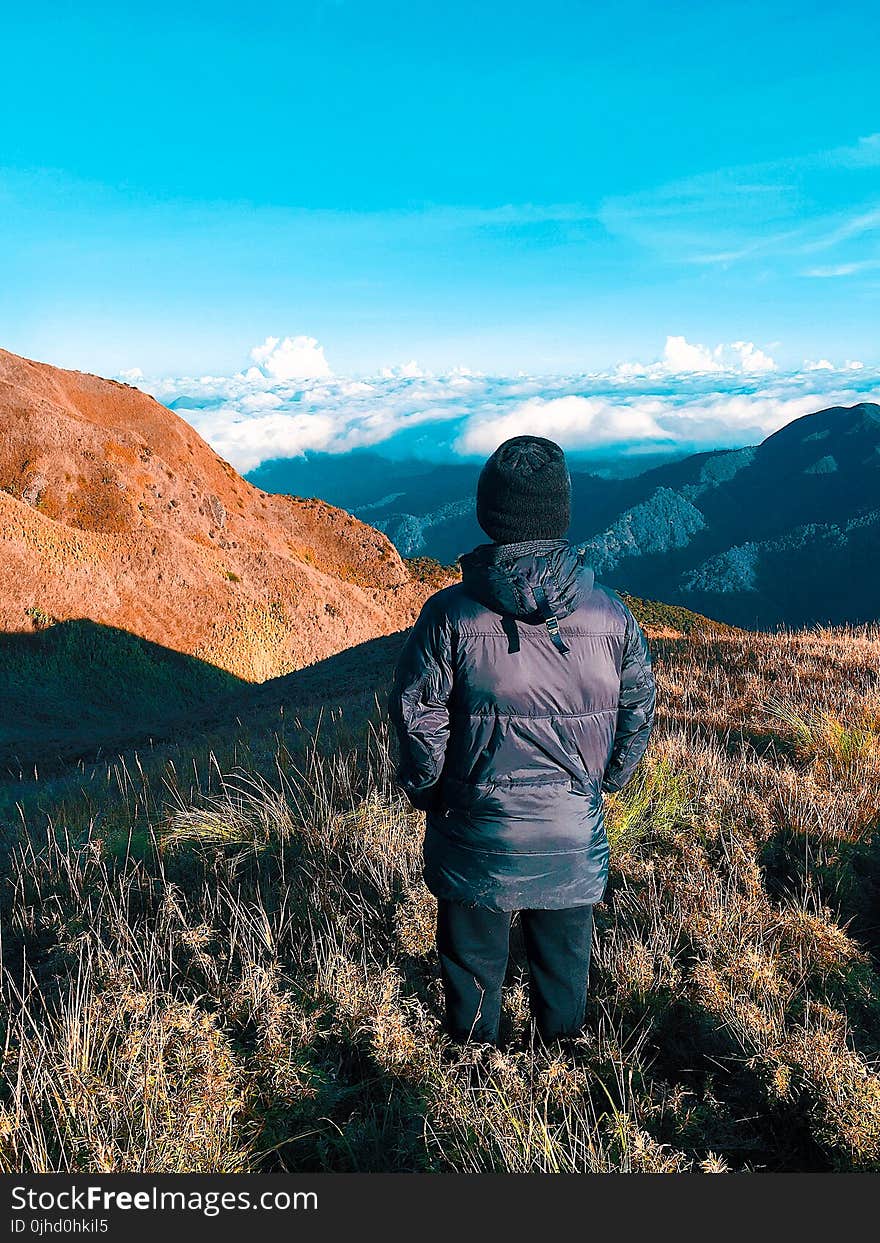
654, 804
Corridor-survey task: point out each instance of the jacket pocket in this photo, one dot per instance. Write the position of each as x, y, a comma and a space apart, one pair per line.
589, 788
582, 780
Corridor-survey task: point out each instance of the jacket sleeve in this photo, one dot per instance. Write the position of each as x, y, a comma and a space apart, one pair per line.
418, 706
635, 708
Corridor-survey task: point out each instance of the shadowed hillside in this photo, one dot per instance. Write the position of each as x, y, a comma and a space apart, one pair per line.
76, 687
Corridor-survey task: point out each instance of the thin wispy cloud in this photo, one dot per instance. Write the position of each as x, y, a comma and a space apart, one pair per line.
864, 153
834, 270
552, 191
531, 283
768, 213
853, 226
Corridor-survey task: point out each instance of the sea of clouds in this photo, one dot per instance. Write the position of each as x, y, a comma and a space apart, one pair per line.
288, 401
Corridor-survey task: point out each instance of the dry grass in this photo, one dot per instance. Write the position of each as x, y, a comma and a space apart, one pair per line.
237, 971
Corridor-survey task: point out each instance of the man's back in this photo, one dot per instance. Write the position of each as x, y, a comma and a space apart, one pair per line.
508, 703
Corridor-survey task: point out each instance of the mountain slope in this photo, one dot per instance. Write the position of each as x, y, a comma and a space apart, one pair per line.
790, 528
112, 508
787, 531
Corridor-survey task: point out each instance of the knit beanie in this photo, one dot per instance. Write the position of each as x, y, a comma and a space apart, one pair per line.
524, 492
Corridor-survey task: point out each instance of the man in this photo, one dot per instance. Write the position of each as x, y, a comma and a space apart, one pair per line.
521, 694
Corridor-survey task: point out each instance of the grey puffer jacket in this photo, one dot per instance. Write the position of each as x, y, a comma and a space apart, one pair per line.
521, 693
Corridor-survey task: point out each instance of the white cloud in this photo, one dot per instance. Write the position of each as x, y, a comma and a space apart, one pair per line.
722, 415
253, 403
682, 357
679, 356
132, 375
248, 442
751, 359
823, 364
293, 358
576, 422
406, 371
694, 396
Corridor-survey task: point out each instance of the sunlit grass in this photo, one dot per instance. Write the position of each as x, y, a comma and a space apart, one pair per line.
655, 803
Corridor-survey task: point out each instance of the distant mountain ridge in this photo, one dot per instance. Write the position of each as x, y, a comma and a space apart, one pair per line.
785, 532
789, 530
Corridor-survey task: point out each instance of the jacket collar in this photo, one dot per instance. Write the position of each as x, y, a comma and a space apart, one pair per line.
527, 580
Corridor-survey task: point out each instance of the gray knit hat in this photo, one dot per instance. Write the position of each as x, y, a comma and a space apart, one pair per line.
524, 492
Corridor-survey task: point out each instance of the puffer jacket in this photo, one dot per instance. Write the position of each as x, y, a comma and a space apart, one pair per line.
521, 694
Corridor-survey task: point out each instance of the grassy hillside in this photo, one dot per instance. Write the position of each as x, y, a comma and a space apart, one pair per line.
671, 620
114, 509
222, 959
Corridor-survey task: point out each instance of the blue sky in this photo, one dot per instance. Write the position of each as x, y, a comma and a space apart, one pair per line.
504, 187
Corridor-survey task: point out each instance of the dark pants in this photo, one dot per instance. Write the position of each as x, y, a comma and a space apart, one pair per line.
474, 943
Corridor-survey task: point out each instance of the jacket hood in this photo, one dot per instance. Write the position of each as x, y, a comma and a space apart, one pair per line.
527, 581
